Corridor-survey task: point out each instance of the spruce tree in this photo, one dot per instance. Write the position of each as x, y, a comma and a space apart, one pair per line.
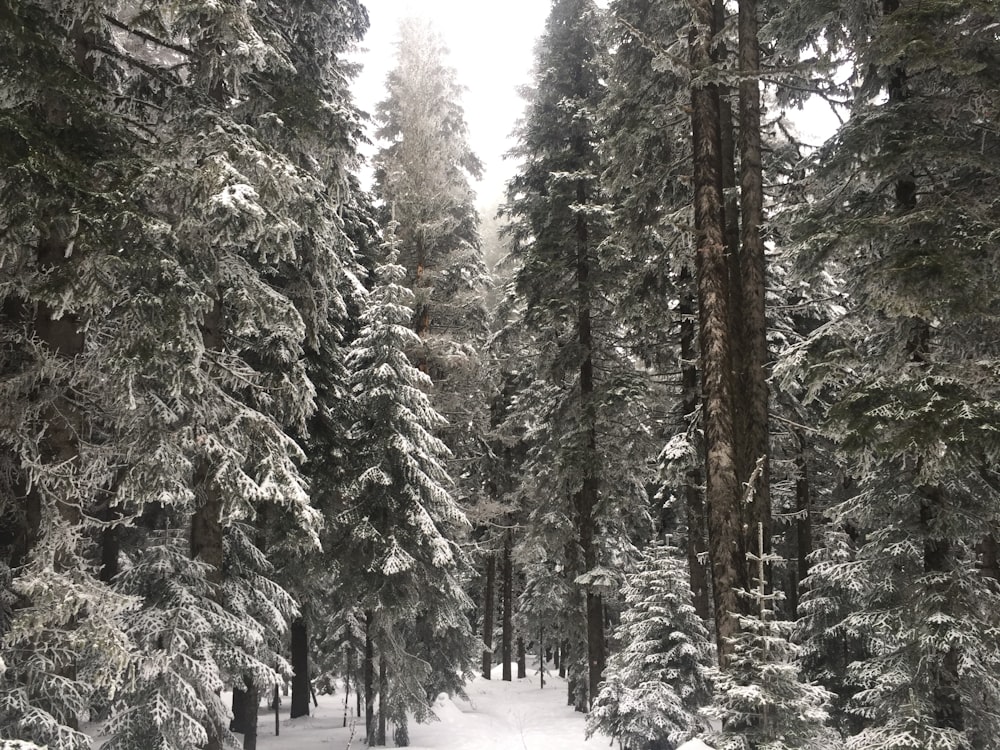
660, 678
401, 528
902, 181
581, 464
761, 701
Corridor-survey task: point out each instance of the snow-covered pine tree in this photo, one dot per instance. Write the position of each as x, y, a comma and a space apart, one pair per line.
423, 173
660, 677
899, 215
584, 479
761, 700
74, 231
400, 531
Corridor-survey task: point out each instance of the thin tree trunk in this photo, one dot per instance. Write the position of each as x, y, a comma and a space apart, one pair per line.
507, 635
522, 659
803, 526
489, 612
561, 661
587, 497
383, 700
300, 668
369, 678
722, 485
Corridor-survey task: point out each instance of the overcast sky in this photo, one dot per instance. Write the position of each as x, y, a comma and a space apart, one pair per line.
491, 48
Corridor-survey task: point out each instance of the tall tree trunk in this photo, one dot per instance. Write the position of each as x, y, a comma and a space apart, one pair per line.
587, 497
489, 613
300, 668
753, 331
694, 503
522, 659
802, 526
722, 484
238, 722
369, 678
383, 700
507, 634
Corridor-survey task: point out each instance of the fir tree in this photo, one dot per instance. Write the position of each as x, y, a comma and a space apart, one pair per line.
761, 701
402, 525
579, 461
902, 181
660, 677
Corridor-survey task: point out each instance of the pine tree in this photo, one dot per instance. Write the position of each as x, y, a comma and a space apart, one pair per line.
761, 700
660, 677
403, 524
581, 464
913, 416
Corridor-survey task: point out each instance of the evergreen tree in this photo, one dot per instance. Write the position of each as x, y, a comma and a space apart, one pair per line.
761, 702
660, 677
902, 181
584, 483
402, 525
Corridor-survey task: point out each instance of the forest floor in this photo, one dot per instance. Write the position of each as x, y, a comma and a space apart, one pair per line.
498, 715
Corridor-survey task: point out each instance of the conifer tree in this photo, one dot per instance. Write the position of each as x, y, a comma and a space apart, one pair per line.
583, 479
761, 701
913, 410
660, 678
401, 527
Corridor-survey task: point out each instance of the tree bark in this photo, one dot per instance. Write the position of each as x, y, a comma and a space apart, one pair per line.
587, 497
383, 700
722, 484
753, 317
369, 678
522, 659
300, 668
507, 635
489, 612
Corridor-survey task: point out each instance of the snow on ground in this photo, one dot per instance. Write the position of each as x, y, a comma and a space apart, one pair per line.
499, 715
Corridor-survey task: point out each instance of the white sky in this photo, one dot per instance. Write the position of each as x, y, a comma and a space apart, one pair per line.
491, 47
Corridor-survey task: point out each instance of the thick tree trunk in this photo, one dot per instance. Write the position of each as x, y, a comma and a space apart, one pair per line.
753, 330
489, 612
722, 484
251, 711
522, 659
507, 634
238, 723
300, 668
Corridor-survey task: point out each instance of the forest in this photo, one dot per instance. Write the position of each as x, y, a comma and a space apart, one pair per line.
705, 413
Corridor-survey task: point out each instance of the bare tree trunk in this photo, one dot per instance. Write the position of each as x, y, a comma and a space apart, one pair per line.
722, 484
507, 636
300, 668
522, 659
383, 696
489, 613
251, 711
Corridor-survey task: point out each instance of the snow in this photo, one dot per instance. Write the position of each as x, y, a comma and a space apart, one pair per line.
695, 744
498, 715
